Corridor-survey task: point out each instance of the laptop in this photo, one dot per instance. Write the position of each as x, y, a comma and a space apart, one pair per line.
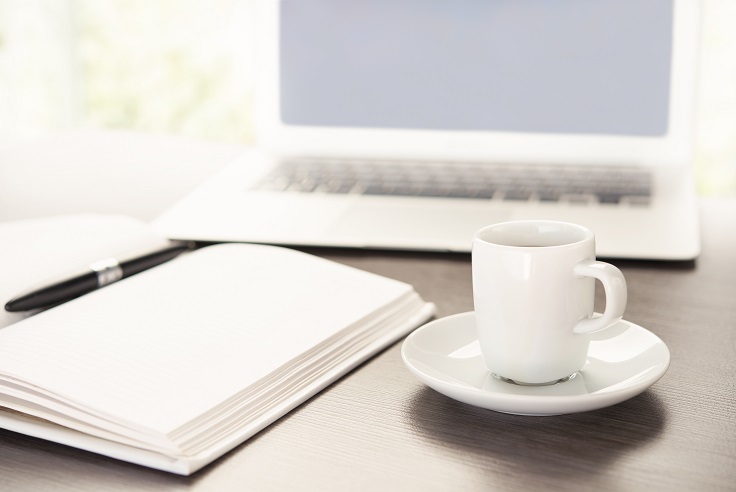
409, 125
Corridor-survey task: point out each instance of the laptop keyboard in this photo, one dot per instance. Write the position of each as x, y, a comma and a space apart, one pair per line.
611, 185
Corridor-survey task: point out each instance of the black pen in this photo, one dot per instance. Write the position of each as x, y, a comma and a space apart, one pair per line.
95, 275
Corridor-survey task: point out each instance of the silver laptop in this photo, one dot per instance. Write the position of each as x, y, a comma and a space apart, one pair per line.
410, 125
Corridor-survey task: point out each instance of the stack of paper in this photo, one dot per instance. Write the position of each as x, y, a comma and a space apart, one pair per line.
175, 366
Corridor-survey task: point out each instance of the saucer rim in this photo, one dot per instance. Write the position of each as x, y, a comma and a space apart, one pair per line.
588, 401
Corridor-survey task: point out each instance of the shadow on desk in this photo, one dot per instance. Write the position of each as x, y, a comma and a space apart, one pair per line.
43, 465
569, 447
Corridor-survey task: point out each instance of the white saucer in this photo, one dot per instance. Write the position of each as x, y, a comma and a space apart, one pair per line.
623, 361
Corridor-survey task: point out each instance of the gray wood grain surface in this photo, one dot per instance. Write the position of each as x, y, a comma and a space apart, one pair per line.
381, 429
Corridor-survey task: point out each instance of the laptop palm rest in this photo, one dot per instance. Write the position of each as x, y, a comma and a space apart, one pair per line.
399, 223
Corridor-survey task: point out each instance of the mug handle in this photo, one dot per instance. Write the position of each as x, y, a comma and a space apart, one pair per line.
614, 285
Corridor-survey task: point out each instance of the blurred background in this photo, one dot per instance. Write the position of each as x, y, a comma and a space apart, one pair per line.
186, 67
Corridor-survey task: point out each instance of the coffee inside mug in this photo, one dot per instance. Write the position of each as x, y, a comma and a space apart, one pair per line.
534, 234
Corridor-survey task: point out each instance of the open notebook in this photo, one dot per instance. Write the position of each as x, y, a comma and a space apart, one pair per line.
175, 366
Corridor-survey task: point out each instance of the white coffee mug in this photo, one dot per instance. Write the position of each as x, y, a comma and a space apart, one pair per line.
534, 290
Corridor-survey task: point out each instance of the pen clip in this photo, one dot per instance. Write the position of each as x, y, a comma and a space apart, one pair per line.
107, 270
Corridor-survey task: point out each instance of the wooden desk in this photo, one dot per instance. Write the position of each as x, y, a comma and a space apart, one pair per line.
380, 429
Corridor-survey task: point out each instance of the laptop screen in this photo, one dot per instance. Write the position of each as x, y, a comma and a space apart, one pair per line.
529, 66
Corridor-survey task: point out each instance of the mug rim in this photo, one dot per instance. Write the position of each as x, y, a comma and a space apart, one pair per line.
586, 234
